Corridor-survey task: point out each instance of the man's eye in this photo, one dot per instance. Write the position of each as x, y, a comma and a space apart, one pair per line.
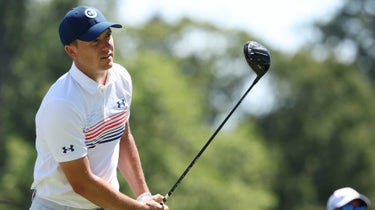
95, 42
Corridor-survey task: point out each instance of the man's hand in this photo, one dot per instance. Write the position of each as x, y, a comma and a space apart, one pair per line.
153, 201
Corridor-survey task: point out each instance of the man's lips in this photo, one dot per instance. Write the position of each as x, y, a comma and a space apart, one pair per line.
106, 56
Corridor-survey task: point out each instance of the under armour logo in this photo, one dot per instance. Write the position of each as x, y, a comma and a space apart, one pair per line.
65, 150
121, 103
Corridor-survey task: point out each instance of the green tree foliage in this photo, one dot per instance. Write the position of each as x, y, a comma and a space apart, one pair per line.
322, 130
209, 57
12, 25
351, 36
11, 43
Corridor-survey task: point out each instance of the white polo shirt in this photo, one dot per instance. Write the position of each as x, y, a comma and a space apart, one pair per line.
79, 117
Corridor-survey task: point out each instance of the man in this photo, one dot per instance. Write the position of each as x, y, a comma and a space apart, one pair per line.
347, 199
82, 126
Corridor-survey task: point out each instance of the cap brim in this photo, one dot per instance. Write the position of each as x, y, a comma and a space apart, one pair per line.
348, 199
365, 199
96, 30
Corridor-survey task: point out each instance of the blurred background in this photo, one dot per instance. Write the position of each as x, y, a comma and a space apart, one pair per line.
306, 129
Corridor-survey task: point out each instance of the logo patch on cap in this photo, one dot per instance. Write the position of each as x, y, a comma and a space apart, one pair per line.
90, 13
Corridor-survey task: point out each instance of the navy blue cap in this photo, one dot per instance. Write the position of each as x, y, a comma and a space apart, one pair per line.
83, 23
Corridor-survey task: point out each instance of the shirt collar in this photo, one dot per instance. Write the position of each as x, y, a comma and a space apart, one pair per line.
86, 82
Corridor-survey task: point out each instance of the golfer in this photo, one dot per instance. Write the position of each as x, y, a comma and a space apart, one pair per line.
347, 198
82, 126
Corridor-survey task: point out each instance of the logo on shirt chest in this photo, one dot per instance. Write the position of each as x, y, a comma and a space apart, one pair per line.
121, 103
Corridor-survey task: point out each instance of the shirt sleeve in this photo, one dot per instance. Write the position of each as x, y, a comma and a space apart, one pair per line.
60, 126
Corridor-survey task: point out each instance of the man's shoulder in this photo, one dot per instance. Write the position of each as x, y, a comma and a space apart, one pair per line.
120, 71
119, 68
64, 91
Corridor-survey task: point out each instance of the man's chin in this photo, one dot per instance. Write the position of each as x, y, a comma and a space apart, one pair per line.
107, 65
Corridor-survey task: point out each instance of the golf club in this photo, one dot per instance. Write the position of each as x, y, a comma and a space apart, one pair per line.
259, 60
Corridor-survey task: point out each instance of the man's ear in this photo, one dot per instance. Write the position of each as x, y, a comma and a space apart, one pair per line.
70, 50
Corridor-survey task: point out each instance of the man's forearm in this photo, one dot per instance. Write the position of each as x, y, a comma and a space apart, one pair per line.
130, 165
95, 189
103, 195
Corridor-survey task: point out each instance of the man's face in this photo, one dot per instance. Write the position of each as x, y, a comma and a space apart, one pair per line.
354, 205
94, 56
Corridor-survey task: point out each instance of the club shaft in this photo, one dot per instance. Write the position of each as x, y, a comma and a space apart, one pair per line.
209, 141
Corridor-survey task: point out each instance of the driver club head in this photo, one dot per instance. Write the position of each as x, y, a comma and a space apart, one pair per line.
258, 57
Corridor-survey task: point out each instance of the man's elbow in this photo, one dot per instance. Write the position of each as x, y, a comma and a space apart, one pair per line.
80, 188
